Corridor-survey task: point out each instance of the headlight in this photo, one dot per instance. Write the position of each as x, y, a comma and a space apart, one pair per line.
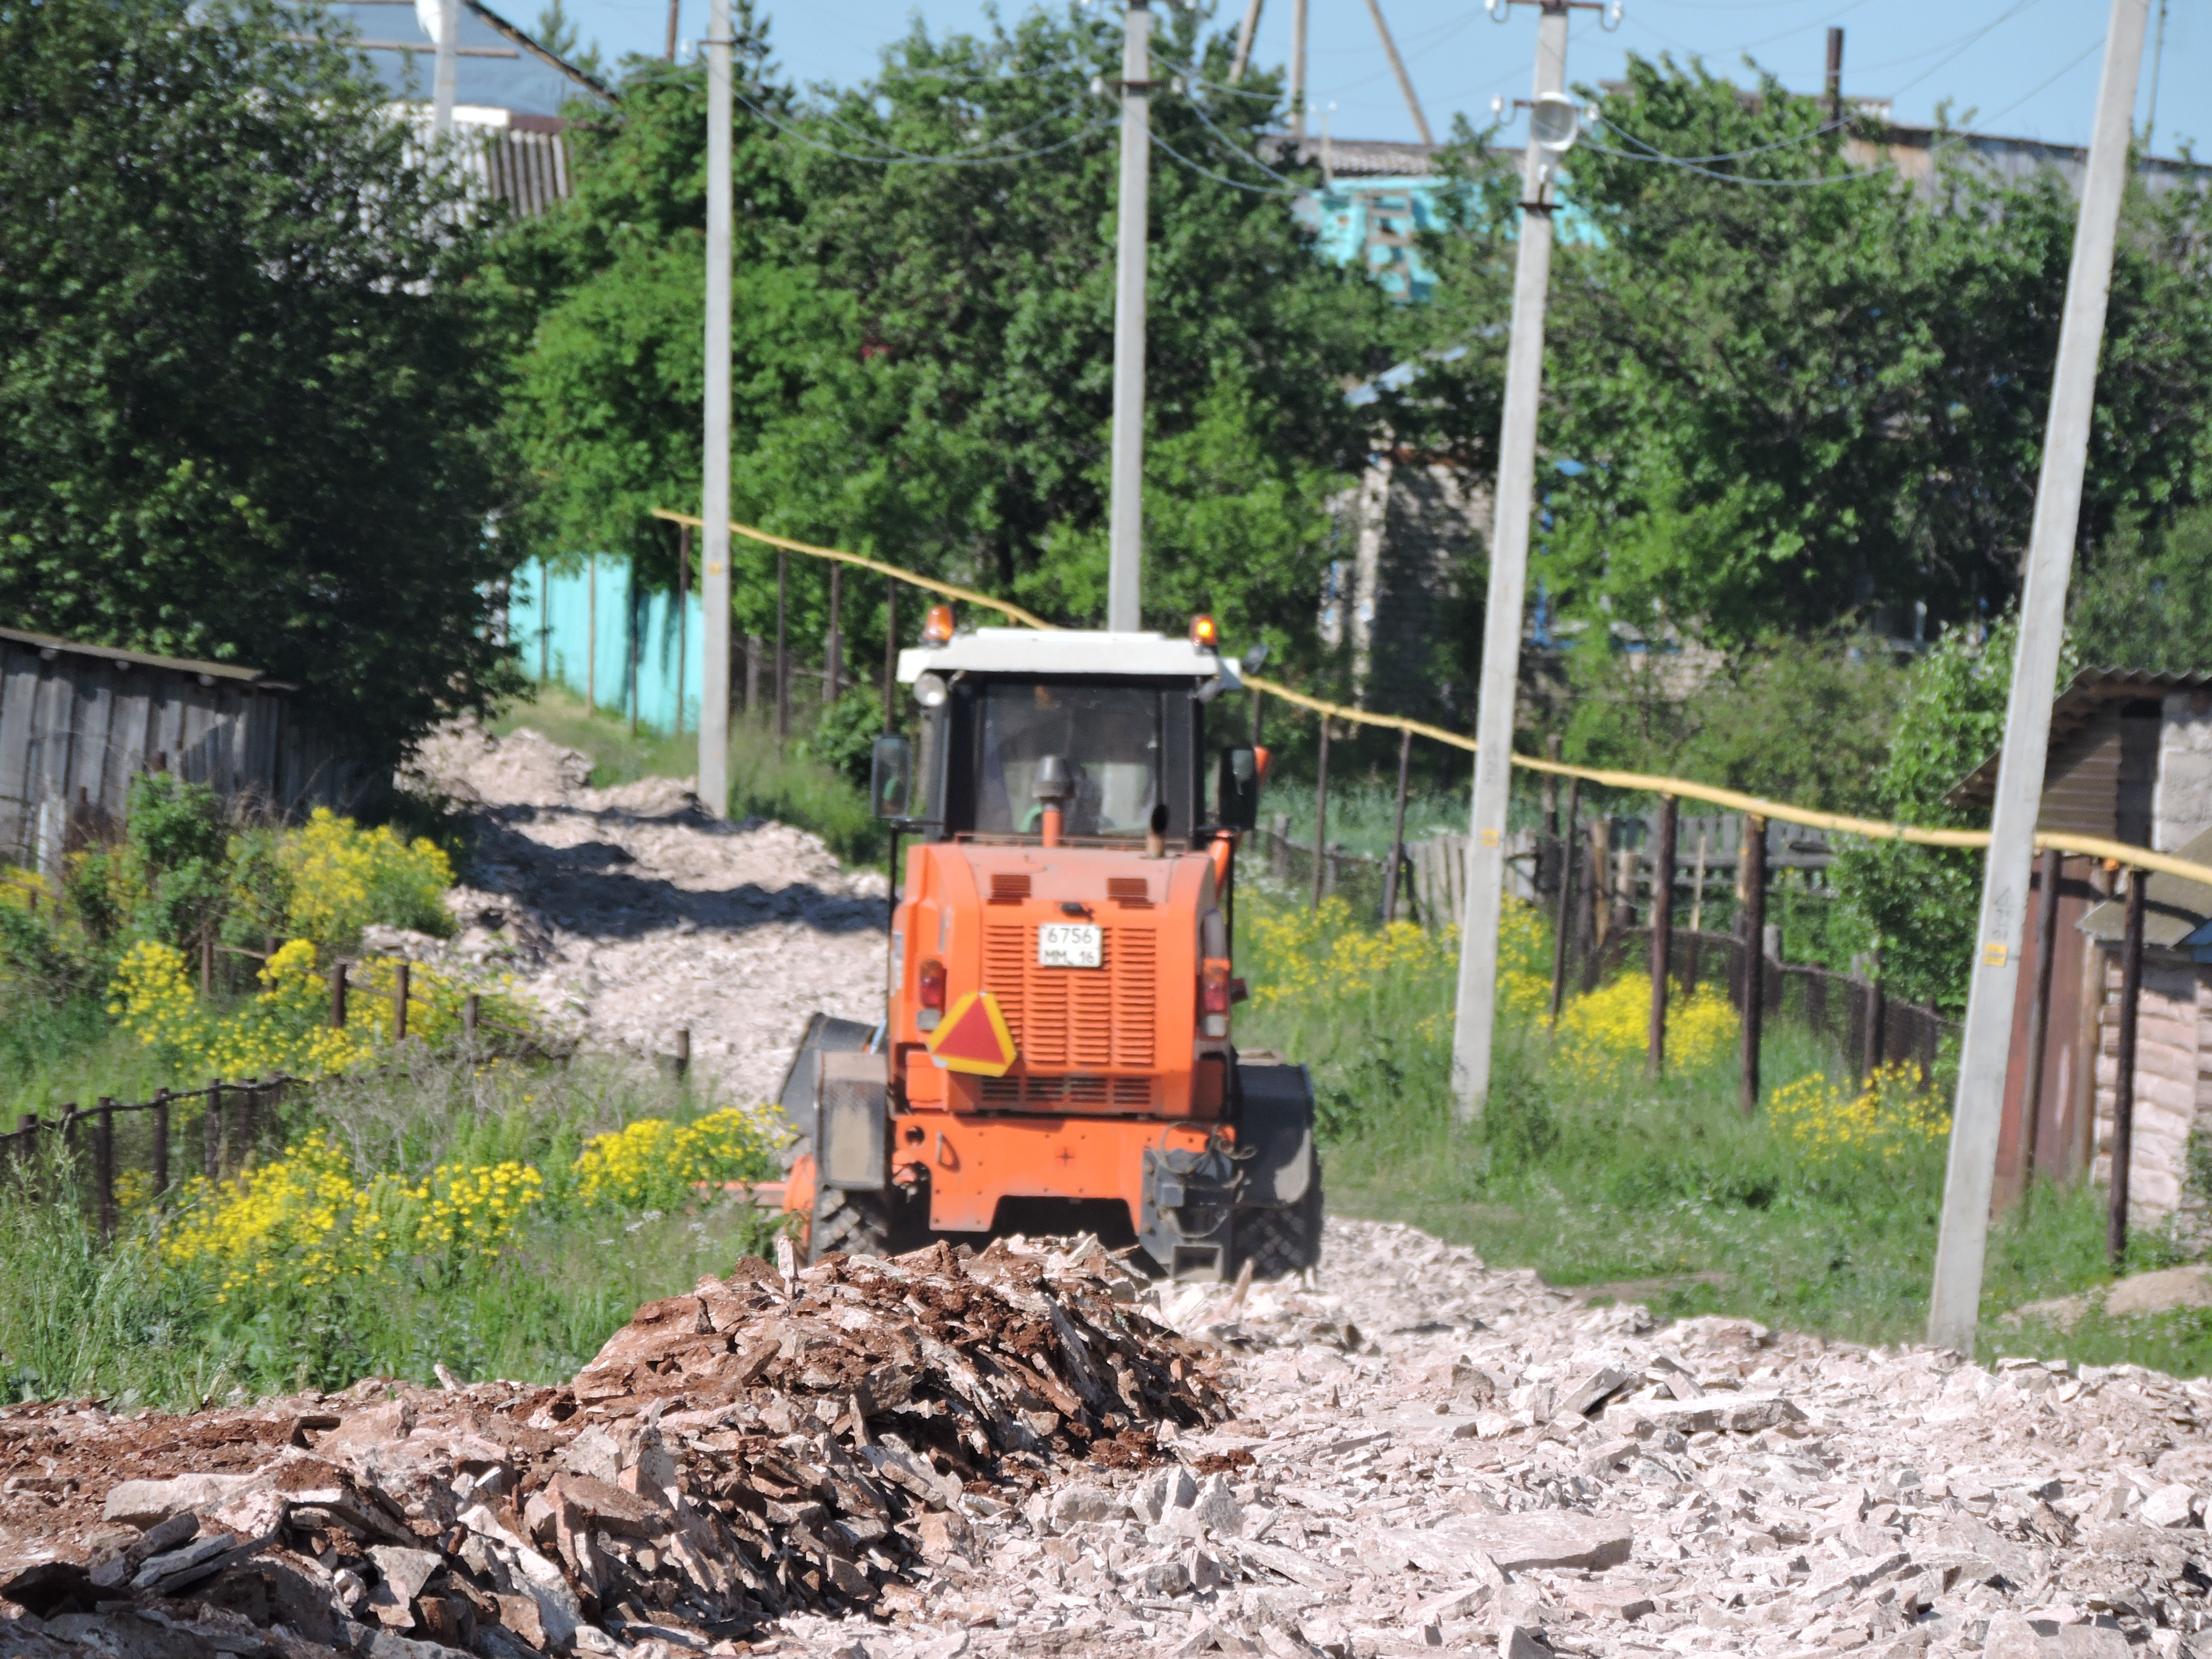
930, 691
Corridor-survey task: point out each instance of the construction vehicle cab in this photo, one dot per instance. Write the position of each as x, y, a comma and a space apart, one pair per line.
1057, 1052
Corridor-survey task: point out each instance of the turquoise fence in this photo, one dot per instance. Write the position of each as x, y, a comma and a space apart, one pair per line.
595, 632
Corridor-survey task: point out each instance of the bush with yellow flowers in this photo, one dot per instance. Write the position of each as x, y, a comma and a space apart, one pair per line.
286, 1027
1308, 952
1893, 1116
305, 1223
655, 1162
342, 876
1607, 1033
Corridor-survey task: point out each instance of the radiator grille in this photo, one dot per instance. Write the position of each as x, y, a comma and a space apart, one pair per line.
1068, 1093
1074, 1020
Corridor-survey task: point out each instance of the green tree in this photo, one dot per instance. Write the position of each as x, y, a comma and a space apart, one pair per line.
247, 386
923, 363
1806, 721
2144, 599
1922, 901
1790, 388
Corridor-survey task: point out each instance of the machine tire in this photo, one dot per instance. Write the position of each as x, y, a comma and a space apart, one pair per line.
863, 1224
1280, 1242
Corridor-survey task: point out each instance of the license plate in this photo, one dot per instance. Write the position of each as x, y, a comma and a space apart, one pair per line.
1068, 944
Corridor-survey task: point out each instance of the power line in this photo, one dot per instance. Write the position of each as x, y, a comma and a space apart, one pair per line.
968, 159
1223, 178
976, 150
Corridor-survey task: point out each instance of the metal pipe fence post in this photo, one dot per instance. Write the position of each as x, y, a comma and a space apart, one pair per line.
103, 1165
832, 666
161, 1142
1320, 815
1751, 929
1662, 934
243, 1119
891, 654
338, 994
2124, 1083
399, 986
471, 1011
211, 1131
2038, 1022
683, 1052
1566, 909
781, 667
1397, 830
682, 619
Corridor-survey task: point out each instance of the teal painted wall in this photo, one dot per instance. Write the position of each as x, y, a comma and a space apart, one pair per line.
588, 630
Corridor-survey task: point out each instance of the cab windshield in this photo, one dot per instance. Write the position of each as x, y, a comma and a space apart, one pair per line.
1107, 735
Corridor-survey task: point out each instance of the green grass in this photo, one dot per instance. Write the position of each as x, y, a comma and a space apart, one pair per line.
764, 782
118, 1321
1659, 1192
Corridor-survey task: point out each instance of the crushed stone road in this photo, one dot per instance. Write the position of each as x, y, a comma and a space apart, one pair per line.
628, 914
1416, 1453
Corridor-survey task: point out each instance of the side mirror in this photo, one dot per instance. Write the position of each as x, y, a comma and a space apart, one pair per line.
1237, 789
891, 778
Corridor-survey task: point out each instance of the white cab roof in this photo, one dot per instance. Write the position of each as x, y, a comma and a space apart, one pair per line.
1066, 651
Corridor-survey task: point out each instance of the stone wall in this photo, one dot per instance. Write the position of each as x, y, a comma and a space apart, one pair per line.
2173, 1081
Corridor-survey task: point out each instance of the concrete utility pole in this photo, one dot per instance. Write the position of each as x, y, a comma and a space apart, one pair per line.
1125, 557
1954, 1304
715, 502
1298, 71
1398, 69
1552, 126
441, 83
1243, 58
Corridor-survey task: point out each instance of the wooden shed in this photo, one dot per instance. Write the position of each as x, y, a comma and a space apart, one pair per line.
78, 721
2130, 759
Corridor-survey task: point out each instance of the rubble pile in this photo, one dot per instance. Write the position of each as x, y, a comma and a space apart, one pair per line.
628, 914
776, 1443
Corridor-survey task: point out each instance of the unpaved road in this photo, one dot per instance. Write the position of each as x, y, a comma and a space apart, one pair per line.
1417, 1462
628, 914
1420, 1480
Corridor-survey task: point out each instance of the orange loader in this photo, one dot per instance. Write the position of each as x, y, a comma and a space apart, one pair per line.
1056, 1052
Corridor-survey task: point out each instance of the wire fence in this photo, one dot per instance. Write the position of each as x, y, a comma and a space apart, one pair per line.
223, 1119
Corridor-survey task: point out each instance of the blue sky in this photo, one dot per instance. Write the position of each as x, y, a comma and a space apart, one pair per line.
2029, 66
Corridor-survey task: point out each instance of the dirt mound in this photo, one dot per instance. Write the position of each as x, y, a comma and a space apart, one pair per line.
629, 913
771, 1444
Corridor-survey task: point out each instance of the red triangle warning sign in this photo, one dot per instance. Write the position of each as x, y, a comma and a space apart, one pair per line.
973, 1037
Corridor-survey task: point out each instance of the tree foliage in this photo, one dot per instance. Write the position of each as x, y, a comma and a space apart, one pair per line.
1789, 387
923, 361
1922, 901
247, 389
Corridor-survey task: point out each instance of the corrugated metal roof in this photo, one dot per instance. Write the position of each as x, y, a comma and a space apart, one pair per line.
46, 643
2084, 698
2173, 907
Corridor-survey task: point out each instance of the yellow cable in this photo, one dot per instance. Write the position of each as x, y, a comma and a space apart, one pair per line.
1754, 805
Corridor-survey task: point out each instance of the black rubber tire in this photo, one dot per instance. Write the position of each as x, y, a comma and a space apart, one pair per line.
1279, 1242
866, 1224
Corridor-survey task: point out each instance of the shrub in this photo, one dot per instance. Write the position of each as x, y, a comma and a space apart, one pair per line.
657, 1162
286, 1027
345, 877
1609, 1030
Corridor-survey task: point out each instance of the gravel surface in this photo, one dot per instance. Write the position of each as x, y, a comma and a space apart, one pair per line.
1414, 1453
1442, 1457
629, 913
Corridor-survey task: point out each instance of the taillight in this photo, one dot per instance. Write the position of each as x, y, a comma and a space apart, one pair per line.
1213, 988
931, 975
